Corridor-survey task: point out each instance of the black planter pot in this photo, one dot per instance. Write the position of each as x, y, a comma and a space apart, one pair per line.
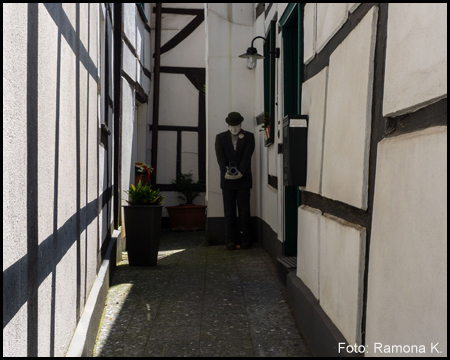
143, 232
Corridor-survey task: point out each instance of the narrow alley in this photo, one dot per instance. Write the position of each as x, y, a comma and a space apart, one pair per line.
198, 301
322, 125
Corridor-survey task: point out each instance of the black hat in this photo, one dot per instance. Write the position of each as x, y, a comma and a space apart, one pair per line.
234, 118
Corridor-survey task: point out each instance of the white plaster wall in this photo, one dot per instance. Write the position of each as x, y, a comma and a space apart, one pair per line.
167, 157
352, 7
309, 32
313, 104
141, 132
270, 15
330, 18
259, 160
348, 115
92, 146
281, 7
171, 24
189, 153
129, 151
416, 57
65, 296
190, 52
341, 275
14, 161
178, 103
57, 166
229, 83
308, 247
142, 39
136, 137
129, 22
129, 62
407, 285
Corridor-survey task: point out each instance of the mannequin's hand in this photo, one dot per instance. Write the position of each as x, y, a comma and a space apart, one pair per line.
233, 177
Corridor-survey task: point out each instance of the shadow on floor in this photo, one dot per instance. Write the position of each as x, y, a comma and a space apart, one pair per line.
198, 301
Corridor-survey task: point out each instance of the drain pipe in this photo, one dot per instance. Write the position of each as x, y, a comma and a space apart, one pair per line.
156, 91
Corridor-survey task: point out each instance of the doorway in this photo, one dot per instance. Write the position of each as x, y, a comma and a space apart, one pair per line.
291, 25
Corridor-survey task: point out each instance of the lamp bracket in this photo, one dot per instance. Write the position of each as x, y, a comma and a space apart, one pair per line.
277, 52
259, 37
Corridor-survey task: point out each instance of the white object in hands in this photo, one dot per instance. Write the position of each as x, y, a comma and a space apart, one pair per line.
228, 176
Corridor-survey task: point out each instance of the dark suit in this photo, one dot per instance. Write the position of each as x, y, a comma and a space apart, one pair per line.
242, 156
236, 191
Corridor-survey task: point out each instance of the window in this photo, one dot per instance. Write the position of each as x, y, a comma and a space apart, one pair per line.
269, 80
291, 63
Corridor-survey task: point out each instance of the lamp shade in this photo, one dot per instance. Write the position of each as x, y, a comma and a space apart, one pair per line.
251, 55
251, 52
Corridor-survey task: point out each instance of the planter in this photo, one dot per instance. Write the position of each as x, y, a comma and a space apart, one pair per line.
143, 178
143, 232
187, 217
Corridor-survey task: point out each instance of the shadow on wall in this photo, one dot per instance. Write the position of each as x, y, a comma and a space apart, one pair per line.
22, 280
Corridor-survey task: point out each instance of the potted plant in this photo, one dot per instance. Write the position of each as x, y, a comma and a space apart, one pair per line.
142, 173
187, 216
143, 224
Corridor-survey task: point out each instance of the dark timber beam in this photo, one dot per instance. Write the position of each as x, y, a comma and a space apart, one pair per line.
156, 91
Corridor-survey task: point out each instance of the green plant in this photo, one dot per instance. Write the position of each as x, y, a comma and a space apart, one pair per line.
144, 195
187, 187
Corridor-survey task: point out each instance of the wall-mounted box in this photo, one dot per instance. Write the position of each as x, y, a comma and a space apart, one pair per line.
295, 146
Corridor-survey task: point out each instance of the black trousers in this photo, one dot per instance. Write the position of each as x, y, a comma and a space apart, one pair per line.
237, 230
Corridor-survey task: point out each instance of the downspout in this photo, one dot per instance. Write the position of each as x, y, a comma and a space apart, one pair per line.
156, 91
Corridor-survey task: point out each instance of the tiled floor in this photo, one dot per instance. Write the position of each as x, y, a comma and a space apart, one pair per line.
198, 301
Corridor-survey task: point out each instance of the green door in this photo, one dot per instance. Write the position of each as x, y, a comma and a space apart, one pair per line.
291, 25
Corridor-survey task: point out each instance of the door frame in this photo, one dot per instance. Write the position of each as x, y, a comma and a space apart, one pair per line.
291, 27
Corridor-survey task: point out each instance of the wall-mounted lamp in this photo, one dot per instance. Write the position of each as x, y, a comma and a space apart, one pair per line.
252, 54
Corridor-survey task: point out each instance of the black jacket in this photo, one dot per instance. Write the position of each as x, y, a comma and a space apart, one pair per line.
242, 156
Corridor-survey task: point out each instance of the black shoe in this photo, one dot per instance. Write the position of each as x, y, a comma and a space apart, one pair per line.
230, 245
246, 245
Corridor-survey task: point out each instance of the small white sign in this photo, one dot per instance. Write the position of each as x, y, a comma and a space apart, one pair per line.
298, 123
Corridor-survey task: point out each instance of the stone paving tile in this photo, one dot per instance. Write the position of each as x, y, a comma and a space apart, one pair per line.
229, 347
267, 346
169, 332
170, 348
198, 301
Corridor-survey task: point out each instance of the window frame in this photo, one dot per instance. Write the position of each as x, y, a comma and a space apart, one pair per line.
270, 80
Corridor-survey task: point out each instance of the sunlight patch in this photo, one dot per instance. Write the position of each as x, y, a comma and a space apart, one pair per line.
163, 254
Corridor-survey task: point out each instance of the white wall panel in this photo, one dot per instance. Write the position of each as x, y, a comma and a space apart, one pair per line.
178, 104
167, 157
129, 150
416, 57
189, 53
348, 115
341, 275
407, 286
330, 18
129, 22
309, 34
189, 153
313, 104
308, 247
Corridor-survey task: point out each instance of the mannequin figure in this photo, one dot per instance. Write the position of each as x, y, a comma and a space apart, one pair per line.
234, 149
